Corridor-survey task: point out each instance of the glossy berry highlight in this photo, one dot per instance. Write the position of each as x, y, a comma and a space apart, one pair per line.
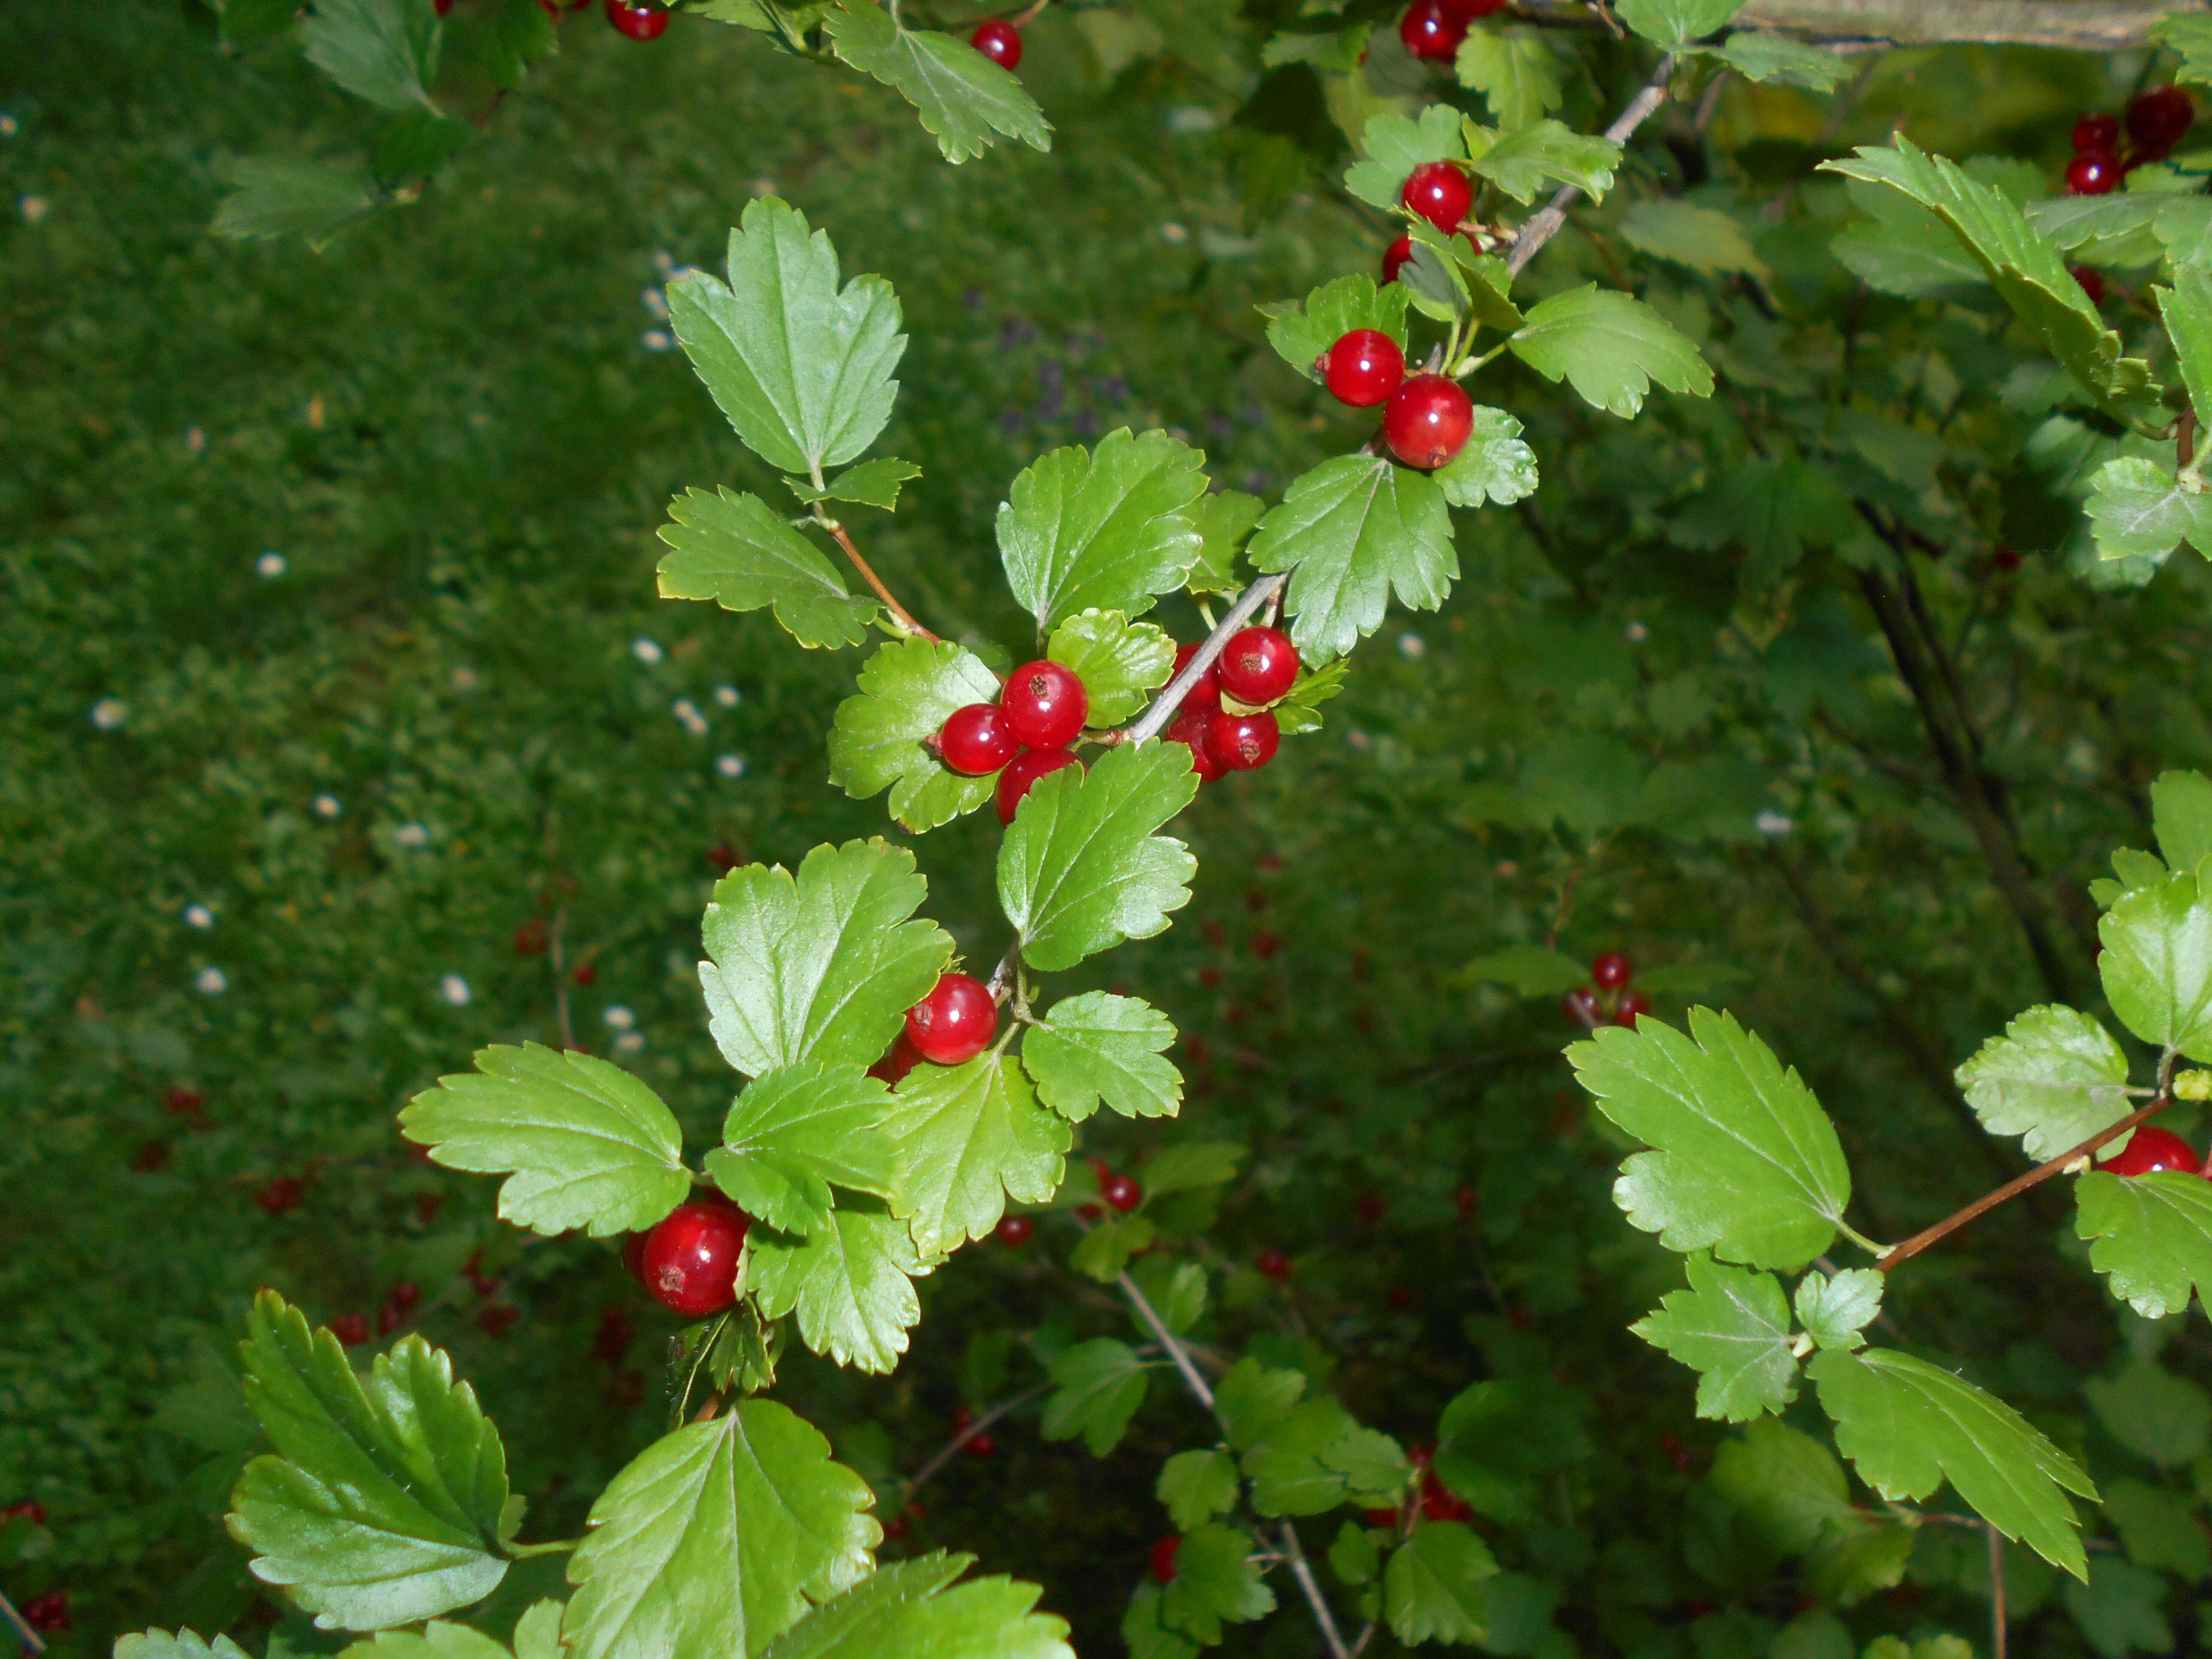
1016, 1230
1363, 368
955, 1021
1610, 970
1045, 705
1632, 1008
998, 40
1439, 192
1242, 742
1021, 776
976, 740
1121, 1193
1428, 421
1259, 665
2150, 1149
2092, 173
689, 1260
639, 22
1432, 29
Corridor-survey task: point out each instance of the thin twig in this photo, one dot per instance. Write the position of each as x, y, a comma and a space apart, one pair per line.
33, 1643
560, 980
1184, 1363
899, 612
1996, 1593
1301, 1571
975, 1427
1546, 225
1154, 720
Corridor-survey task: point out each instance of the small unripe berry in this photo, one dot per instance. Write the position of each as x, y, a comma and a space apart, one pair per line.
1242, 742
2097, 130
1428, 421
977, 739
1122, 1192
1363, 368
1162, 1563
1045, 705
2092, 173
1022, 771
689, 1261
639, 22
1610, 971
1439, 192
955, 1021
1259, 665
2151, 1148
1274, 1264
998, 40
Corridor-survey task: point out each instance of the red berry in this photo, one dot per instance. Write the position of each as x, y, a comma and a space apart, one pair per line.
444, 6
1440, 1502
690, 1260
895, 1528
2092, 281
902, 1058
1265, 944
975, 1445
1022, 771
1274, 1264
1259, 665
1433, 29
1394, 257
1401, 1296
48, 1612
30, 1509
612, 1338
351, 1330
639, 22
2007, 559
998, 40
1379, 1518
1122, 1192
498, 1319
976, 740
1363, 368
281, 1193
389, 1319
722, 858
1204, 694
1677, 1454
1189, 728
405, 1294
1427, 421
1610, 971
2092, 173
532, 938
1370, 1207
185, 1102
955, 1021
1090, 1212
2097, 130
1463, 1201
1016, 1230
1439, 192
2152, 1148
2157, 120
1164, 1559
1581, 1007
151, 1156
1045, 705
1242, 742
585, 973
1632, 1007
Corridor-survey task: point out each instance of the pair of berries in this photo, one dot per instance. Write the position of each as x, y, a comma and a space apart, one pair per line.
688, 1260
2151, 1149
1434, 28
1607, 1000
1024, 736
1256, 667
998, 40
2157, 121
979, 1444
1426, 420
950, 1026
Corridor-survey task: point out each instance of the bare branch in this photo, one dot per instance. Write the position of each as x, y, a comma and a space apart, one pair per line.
1154, 720
2076, 25
1546, 225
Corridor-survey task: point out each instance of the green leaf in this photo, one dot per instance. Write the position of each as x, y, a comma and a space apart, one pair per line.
1097, 1389
1105, 1250
585, 1143
2026, 268
1540, 156
1732, 1328
731, 549
2054, 1078
2150, 1235
1145, 1637
161, 1645
1175, 1289
802, 367
1745, 1163
851, 1281
2190, 36
2157, 965
1299, 710
1118, 661
1109, 529
1394, 146
1357, 1555
715, 1539
1610, 348
436, 1640
1099, 1048
1532, 970
881, 738
1081, 870
249, 23
968, 1136
1252, 1400
905, 1612
1761, 56
1677, 22
1432, 1587
1316, 1456
1787, 1484
798, 1131
1834, 1307
1495, 466
1856, 1556
1903, 248
1496, 1436
872, 483
1224, 518
417, 143
2138, 510
1197, 1486
274, 195
1353, 531
1907, 1426
1215, 1583
1302, 333
1192, 1163
1516, 72
2121, 1610
2158, 1529
384, 1502
513, 34
823, 966
2159, 1417
385, 51
1704, 239
962, 96
2181, 816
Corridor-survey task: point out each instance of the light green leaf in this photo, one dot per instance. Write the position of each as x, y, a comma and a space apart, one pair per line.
1353, 531
1677, 22
2181, 817
731, 549
2138, 510
1777, 57
185, 1644
1548, 154
872, 483
1081, 870
881, 738
1610, 348
1732, 1328
1252, 1400
1224, 518
1300, 708
435, 1640
1302, 333
274, 196
715, 1538
1197, 1486
1787, 1484
2151, 1235
1835, 1308
2164, 1418
1099, 1048
2054, 1078
1215, 1583
962, 96
1097, 1389
1109, 529
538, 1633
1703, 239
1531, 969
1907, 1426
823, 966
1118, 661
1495, 466
968, 1136
1432, 1587
1745, 1161
904, 1611
2157, 965
383, 50
385, 1501
585, 1143
1143, 1634
802, 367
2190, 35
798, 1131
1393, 146
851, 1281
1516, 72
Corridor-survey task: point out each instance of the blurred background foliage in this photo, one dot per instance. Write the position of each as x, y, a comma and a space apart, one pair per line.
329, 610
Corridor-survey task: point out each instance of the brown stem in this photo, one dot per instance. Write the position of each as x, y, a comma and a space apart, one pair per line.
2185, 436
1546, 225
1996, 1593
945, 1454
904, 617
1930, 1236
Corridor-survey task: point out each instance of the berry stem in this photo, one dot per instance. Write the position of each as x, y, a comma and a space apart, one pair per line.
1154, 720
900, 614
557, 1547
1547, 224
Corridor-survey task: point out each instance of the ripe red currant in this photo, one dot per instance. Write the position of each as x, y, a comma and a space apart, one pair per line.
444, 6
585, 974
1427, 421
1439, 192
722, 858
998, 40
1122, 1192
1259, 665
1164, 1559
1189, 728
1274, 1264
1379, 1518
279, 1192
2092, 281
498, 1319
2092, 173
1242, 742
979, 1444
1402, 1296
900, 1058
976, 740
2157, 120
1433, 29
532, 938
351, 1330
1363, 368
1022, 771
689, 1261
185, 1102
2097, 130
1016, 1230
1610, 971
1440, 1502
1205, 693
1463, 1201
30, 1509
2153, 1148
1580, 1006
1632, 1008
1045, 705
955, 1021
1394, 257
612, 1338
639, 22
49, 1612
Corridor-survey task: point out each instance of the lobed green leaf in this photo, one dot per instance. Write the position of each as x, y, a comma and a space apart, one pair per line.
1732, 1328
968, 1137
1099, 1048
962, 96
1109, 529
2055, 1078
1353, 531
729, 548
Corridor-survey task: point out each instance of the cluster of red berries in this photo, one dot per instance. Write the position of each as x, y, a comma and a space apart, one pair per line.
1024, 736
1432, 1501
1255, 669
352, 1328
980, 1444
2151, 1149
688, 1260
998, 40
1426, 418
49, 1612
1607, 1000
1434, 28
950, 1026
2156, 121
1442, 193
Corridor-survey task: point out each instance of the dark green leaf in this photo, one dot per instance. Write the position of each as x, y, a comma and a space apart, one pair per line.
1787, 1484
385, 51
731, 549
1432, 1587
1251, 1400
1732, 1328
1777, 57
2139, 511
968, 1136
962, 96
436, 1640
2121, 1609
1097, 1389
1215, 1583
880, 739
1531, 969
417, 143
1100, 1048
2157, 965
1192, 1163
2161, 1418
1704, 239
905, 1612
1109, 529
280, 196
1353, 531
2181, 816
872, 483
513, 34
1516, 72
1106, 1249
2150, 1235
1197, 1486
2158, 1529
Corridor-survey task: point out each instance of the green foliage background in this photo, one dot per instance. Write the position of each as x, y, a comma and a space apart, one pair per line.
452, 428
